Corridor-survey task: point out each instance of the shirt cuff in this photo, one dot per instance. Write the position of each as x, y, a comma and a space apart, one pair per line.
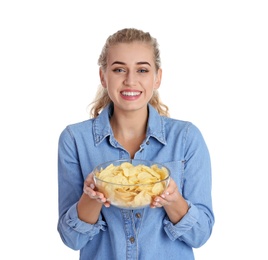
174, 231
80, 226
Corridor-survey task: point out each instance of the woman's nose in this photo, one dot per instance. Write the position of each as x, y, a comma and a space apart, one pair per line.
131, 78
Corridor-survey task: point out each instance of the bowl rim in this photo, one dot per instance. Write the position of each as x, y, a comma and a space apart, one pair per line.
130, 160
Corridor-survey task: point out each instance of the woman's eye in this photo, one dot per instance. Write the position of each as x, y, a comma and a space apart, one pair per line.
118, 70
143, 70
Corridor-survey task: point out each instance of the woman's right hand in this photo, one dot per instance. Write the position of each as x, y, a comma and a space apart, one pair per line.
91, 190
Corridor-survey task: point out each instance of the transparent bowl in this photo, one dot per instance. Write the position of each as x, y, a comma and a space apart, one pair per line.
131, 184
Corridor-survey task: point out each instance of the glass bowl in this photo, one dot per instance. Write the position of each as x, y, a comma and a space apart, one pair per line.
131, 183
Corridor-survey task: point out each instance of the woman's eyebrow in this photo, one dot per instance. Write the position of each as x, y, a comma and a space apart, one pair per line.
138, 63
119, 62
143, 62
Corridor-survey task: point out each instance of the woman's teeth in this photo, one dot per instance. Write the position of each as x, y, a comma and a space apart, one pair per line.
125, 93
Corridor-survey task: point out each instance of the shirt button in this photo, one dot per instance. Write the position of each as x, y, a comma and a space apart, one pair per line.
132, 240
148, 142
138, 215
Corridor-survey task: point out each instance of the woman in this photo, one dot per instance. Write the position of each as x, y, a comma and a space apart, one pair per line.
129, 121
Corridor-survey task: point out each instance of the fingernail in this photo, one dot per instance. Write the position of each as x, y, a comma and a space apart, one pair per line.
92, 186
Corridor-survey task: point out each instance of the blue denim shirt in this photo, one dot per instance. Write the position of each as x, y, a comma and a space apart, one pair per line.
146, 233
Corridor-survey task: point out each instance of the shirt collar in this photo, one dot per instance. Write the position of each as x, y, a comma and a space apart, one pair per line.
102, 127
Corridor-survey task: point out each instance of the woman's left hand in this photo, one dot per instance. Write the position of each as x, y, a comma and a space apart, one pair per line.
169, 196
172, 201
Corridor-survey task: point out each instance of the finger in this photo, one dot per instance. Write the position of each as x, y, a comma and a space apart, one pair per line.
107, 204
89, 188
165, 194
89, 179
91, 193
157, 202
98, 196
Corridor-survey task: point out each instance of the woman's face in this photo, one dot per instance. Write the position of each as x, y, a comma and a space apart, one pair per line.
131, 76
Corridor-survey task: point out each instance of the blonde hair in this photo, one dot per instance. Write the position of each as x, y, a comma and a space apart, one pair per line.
127, 35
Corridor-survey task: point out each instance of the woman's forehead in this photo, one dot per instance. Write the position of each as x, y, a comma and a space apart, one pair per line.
131, 52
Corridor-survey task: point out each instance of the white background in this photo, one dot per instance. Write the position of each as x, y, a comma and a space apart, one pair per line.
215, 74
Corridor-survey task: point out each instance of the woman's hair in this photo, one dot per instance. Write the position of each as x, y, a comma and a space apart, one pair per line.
127, 35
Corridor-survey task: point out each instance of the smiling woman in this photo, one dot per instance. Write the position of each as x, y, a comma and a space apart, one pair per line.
125, 45
129, 77
129, 121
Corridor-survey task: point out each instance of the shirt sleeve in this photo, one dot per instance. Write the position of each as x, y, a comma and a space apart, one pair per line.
175, 231
74, 232
195, 227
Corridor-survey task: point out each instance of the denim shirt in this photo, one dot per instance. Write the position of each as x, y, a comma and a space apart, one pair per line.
146, 233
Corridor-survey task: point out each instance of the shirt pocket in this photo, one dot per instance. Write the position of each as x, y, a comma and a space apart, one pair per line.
176, 169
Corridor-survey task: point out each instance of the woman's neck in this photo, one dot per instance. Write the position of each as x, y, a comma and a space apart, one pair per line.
128, 126
129, 130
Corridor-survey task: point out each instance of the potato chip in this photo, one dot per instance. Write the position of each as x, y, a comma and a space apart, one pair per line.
130, 186
142, 198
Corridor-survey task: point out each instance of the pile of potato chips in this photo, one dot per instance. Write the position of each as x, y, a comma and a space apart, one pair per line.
130, 186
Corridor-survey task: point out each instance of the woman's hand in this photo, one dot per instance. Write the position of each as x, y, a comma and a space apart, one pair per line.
172, 201
91, 190
169, 196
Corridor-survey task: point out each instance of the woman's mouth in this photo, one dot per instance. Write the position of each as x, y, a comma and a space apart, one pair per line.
131, 93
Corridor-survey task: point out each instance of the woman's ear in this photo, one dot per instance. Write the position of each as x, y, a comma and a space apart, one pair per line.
158, 79
102, 78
